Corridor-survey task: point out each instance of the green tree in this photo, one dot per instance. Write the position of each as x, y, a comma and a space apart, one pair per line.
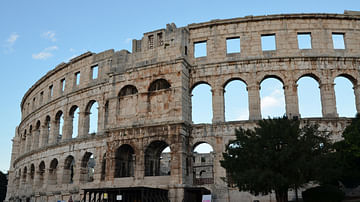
3, 186
275, 156
348, 154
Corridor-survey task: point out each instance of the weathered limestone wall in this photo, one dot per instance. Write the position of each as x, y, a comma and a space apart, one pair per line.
144, 98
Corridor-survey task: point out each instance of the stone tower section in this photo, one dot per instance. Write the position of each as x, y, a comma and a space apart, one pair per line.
119, 124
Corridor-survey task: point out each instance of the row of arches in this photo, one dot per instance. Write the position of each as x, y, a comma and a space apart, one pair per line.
272, 98
157, 162
75, 122
61, 126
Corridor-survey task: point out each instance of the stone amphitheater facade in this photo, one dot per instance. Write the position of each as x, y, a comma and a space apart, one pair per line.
144, 105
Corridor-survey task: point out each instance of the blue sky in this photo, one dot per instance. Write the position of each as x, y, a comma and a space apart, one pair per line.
35, 36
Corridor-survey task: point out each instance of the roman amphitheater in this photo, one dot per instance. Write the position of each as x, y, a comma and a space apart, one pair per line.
95, 128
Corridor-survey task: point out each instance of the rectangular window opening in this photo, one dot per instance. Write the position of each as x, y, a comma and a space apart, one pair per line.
151, 41
77, 78
63, 85
200, 49
268, 42
304, 40
51, 93
338, 40
41, 97
233, 45
160, 39
94, 72
33, 103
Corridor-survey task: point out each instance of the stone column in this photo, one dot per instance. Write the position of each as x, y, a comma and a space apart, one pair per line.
36, 139
139, 169
84, 123
218, 104
54, 132
357, 97
27, 143
44, 135
30, 142
67, 127
21, 144
328, 100
37, 179
291, 100
254, 102
112, 115
101, 117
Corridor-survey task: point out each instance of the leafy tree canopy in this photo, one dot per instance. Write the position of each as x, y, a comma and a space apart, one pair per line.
348, 154
277, 155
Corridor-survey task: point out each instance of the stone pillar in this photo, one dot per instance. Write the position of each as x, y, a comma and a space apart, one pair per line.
37, 179
54, 132
218, 104
27, 142
44, 135
254, 102
30, 141
357, 98
112, 115
84, 123
101, 117
67, 127
328, 100
139, 169
36, 139
291, 100
21, 144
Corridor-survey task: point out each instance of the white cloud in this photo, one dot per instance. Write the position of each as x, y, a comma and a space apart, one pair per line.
45, 54
9, 43
42, 56
51, 48
275, 99
49, 35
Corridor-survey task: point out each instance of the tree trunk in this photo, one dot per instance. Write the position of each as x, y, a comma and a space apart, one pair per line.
281, 195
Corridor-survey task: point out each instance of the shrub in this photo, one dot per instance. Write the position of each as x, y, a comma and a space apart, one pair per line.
326, 193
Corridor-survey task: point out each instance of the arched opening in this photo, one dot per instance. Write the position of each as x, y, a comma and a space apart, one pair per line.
106, 113
203, 164
32, 172
68, 173
24, 174
74, 119
18, 178
201, 104
345, 97
59, 123
92, 117
127, 98
165, 161
36, 135
159, 84
124, 161
29, 139
103, 168
41, 172
309, 97
53, 172
272, 97
128, 90
87, 170
47, 130
23, 142
236, 101
157, 159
